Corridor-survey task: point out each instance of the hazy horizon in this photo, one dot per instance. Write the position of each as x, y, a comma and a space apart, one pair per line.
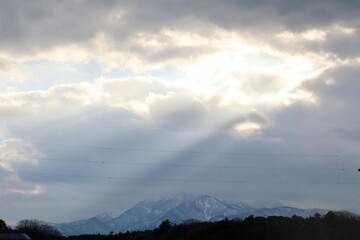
106, 103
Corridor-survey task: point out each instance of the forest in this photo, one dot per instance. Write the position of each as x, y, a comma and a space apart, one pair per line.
331, 226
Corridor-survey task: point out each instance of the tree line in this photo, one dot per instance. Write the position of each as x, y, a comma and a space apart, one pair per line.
36, 229
332, 226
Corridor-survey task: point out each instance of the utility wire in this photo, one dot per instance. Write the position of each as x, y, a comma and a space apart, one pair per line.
175, 165
177, 180
149, 129
129, 149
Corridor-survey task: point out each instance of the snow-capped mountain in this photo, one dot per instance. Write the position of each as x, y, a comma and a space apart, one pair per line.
148, 214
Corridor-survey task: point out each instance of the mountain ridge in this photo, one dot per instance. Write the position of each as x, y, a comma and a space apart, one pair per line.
148, 214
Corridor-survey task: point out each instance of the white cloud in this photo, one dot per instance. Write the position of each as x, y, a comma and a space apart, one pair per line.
155, 100
12, 185
309, 35
11, 70
14, 151
316, 35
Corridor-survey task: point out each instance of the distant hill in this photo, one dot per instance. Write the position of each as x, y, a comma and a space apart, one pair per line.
332, 226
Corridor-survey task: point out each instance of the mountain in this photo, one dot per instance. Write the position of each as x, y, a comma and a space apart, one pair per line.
92, 225
104, 217
148, 214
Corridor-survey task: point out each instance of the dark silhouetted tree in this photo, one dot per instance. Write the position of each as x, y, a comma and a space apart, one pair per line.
37, 229
3, 227
166, 224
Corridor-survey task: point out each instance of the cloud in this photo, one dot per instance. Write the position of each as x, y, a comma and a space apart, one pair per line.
147, 101
336, 41
13, 151
123, 35
336, 91
10, 69
14, 186
27, 28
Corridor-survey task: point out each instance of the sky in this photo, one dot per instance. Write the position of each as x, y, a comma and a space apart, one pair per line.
106, 103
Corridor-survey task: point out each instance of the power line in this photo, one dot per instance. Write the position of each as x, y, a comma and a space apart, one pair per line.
149, 129
188, 165
177, 180
130, 149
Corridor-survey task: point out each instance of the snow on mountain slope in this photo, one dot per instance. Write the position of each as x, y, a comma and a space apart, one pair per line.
200, 207
104, 217
148, 214
143, 214
92, 225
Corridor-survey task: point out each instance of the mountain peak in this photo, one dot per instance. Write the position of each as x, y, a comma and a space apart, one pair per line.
183, 196
105, 217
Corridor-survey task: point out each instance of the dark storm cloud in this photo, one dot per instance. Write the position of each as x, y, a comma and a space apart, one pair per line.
340, 84
337, 91
331, 124
31, 27
249, 14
